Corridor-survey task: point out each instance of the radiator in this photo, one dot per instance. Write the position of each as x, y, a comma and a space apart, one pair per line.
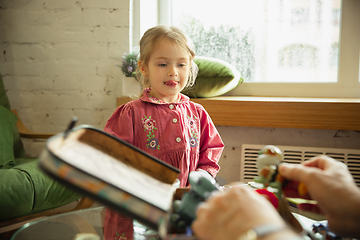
296, 155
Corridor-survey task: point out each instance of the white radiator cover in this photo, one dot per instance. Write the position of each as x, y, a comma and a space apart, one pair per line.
296, 154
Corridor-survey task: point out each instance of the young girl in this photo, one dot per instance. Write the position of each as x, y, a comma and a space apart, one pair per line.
163, 122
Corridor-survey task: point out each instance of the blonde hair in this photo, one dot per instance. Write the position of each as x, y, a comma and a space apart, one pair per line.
175, 35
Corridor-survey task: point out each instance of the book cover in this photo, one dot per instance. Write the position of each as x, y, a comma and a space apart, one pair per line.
112, 172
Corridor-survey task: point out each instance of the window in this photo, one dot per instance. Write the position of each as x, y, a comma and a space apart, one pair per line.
299, 56
300, 17
281, 47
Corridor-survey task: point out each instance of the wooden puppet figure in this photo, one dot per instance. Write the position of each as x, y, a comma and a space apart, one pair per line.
267, 162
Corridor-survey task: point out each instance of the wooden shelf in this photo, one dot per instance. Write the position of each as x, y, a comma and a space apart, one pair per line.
312, 113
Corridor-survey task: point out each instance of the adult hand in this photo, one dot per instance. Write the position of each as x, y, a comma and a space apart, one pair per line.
231, 213
329, 183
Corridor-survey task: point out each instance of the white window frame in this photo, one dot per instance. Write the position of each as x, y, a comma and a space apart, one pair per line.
348, 85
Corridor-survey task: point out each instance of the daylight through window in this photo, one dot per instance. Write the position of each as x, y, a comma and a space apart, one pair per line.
267, 41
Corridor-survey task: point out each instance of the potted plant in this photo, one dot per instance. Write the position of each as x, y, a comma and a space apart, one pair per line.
129, 63
128, 66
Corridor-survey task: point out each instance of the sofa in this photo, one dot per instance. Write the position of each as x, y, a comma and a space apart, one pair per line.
26, 191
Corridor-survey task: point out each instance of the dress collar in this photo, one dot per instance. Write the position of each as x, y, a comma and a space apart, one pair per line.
146, 97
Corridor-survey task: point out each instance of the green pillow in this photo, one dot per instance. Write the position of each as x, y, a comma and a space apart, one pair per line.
48, 192
10, 142
216, 77
17, 193
25, 190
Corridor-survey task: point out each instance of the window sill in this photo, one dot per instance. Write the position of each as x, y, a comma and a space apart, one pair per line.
312, 113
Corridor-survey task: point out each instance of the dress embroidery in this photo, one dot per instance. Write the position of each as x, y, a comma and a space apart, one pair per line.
194, 138
121, 237
149, 125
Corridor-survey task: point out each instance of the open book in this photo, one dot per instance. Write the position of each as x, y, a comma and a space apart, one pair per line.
112, 172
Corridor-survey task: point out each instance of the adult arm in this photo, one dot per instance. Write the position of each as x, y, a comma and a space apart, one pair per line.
230, 214
329, 183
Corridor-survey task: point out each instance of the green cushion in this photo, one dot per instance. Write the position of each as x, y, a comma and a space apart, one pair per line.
215, 78
4, 101
48, 192
17, 193
26, 190
10, 142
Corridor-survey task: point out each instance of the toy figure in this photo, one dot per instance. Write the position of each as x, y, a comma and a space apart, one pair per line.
267, 162
184, 210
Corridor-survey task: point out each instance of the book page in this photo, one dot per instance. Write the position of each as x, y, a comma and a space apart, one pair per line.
116, 173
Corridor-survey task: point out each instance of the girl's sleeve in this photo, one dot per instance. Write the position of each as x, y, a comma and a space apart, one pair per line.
120, 124
211, 144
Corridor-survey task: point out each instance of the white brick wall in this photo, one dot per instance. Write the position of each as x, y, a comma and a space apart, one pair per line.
58, 60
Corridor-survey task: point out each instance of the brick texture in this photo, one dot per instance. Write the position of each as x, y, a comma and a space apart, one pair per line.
58, 59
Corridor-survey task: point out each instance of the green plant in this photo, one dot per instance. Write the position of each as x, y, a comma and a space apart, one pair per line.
129, 63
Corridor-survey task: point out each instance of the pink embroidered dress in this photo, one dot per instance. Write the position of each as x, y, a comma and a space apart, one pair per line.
180, 133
